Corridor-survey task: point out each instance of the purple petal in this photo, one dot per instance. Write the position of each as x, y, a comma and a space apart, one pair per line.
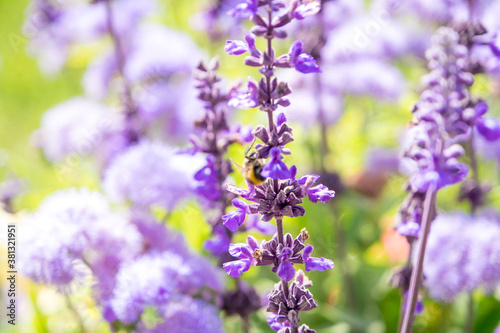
233, 220
489, 128
281, 119
286, 271
320, 193
313, 263
295, 51
308, 9
306, 64
241, 250
245, 9
235, 268
241, 205
235, 47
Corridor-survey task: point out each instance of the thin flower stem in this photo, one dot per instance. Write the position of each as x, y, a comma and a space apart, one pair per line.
416, 276
79, 319
131, 109
469, 323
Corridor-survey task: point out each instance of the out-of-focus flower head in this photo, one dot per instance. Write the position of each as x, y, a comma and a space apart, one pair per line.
78, 126
150, 174
461, 255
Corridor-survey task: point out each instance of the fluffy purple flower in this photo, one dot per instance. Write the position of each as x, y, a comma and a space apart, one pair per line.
247, 99
78, 126
150, 174
71, 227
178, 317
307, 8
245, 9
233, 220
168, 274
462, 254
276, 168
315, 264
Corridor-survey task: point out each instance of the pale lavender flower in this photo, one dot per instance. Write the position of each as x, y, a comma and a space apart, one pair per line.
168, 274
187, 315
150, 174
462, 254
78, 126
73, 226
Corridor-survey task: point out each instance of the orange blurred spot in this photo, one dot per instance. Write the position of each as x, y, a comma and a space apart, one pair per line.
395, 245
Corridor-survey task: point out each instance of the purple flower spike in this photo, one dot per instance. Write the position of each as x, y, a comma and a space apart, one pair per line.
247, 99
245, 9
275, 168
237, 267
233, 220
286, 271
315, 264
489, 128
307, 8
235, 47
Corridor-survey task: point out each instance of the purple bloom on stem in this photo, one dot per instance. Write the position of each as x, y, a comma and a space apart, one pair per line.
286, 271
235, 47
208, 178
233, 220
275, 168
245, 9
247, 99
219, 244
277, 322
302, 61
307, 8
320, 193
315, 264
242, 251
489, 128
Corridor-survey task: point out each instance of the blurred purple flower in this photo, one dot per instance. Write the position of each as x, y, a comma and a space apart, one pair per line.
245, 9
247, 99
178, 315
307, 8
463, 260
150, 174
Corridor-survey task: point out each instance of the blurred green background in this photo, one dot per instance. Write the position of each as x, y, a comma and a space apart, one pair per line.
353, 297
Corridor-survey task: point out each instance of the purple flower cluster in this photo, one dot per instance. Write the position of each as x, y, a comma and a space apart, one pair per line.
149, 80
281, 194
281, 256
88, 240
463, 254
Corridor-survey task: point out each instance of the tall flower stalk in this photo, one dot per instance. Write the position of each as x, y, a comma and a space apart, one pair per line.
213, 142
280, 193
446, 114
